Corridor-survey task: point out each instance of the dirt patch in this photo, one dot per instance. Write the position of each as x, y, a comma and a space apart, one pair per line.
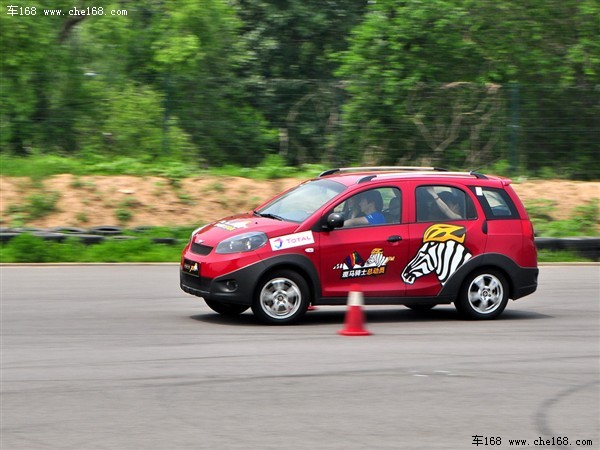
564, 196
133, 201
89, 201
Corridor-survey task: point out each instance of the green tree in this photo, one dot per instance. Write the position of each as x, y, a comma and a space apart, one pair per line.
151, 82
197, 57
413, 67
289, 74
31, 61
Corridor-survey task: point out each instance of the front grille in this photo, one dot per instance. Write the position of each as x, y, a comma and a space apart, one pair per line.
200, 249
198, 286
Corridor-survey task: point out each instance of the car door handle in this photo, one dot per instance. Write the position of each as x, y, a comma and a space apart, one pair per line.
394, 238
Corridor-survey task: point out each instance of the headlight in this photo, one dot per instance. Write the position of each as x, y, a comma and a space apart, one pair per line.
245, 242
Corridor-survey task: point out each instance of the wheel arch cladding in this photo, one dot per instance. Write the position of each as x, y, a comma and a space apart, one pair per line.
493, 261
297, 263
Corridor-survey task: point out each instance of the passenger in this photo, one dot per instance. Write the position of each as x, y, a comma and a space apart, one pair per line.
453, 203
370, 204
425, 205
440, 201
393, 213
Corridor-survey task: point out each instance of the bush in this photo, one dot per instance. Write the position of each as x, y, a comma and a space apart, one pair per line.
584, 220
27, 248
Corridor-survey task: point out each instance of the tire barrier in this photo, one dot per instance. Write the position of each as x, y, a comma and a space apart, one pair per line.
69, 230
122, 238
93, 235
106, 230
6, 236
28, 230
50, 236
89, 239
547, 243
587, 247
164, 240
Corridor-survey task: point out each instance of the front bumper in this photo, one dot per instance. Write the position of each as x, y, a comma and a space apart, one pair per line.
239, 286
236, 287
194, 285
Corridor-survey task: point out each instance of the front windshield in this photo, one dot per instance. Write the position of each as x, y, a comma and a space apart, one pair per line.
300, 203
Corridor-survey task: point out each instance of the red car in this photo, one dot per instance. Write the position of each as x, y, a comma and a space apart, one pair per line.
405, 236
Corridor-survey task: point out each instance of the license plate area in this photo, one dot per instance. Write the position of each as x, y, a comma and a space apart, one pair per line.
191, 267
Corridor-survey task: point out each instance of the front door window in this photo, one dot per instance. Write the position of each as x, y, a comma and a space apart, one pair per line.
366, 251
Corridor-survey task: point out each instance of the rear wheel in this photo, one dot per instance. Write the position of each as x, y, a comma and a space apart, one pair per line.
226, 309
484, 295
281, 298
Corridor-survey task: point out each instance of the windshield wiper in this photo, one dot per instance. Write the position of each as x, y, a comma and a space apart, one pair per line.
267, 215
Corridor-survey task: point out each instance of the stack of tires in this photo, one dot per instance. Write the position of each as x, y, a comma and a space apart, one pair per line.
588, 247
93, 235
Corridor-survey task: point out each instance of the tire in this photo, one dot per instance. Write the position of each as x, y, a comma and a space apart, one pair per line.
281, 298
226, 309
483, 295
90, 238
50, 236
5, 237
124, 237
69, 230
106, 230
164, 240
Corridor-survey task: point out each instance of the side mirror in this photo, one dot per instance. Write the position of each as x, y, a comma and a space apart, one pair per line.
335, 220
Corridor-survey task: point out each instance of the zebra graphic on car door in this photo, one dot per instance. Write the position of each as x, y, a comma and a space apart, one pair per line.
442, 252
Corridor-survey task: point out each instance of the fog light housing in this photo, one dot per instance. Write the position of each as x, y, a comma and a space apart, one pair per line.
231, 285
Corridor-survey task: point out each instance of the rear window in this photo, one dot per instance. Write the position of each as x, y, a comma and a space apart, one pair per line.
496, 203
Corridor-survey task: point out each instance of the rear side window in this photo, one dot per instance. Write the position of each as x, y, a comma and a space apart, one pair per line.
443, 203
496, 203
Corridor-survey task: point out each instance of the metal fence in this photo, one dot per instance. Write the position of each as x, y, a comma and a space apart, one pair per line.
544, 130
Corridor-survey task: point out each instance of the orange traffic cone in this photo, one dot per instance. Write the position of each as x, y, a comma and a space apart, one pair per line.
354, 315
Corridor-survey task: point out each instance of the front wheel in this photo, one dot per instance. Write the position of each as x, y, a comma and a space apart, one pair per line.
484, 295
281, 298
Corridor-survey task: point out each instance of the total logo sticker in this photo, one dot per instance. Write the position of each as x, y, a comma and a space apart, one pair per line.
292, 240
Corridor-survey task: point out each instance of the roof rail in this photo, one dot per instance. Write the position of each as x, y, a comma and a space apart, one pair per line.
383, 168
478, 175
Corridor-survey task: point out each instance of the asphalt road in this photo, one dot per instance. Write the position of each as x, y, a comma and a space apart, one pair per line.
117, 357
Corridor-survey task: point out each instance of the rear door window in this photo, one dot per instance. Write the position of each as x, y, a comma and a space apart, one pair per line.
443, 203
496, 203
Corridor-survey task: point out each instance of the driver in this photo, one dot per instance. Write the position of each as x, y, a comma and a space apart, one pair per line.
370, 204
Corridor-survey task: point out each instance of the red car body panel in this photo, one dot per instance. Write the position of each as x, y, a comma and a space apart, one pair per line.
377, 258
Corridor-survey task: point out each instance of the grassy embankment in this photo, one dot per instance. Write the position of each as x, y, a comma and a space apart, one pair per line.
28, 248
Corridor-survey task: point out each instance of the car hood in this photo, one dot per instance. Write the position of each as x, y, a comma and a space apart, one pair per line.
215, 232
